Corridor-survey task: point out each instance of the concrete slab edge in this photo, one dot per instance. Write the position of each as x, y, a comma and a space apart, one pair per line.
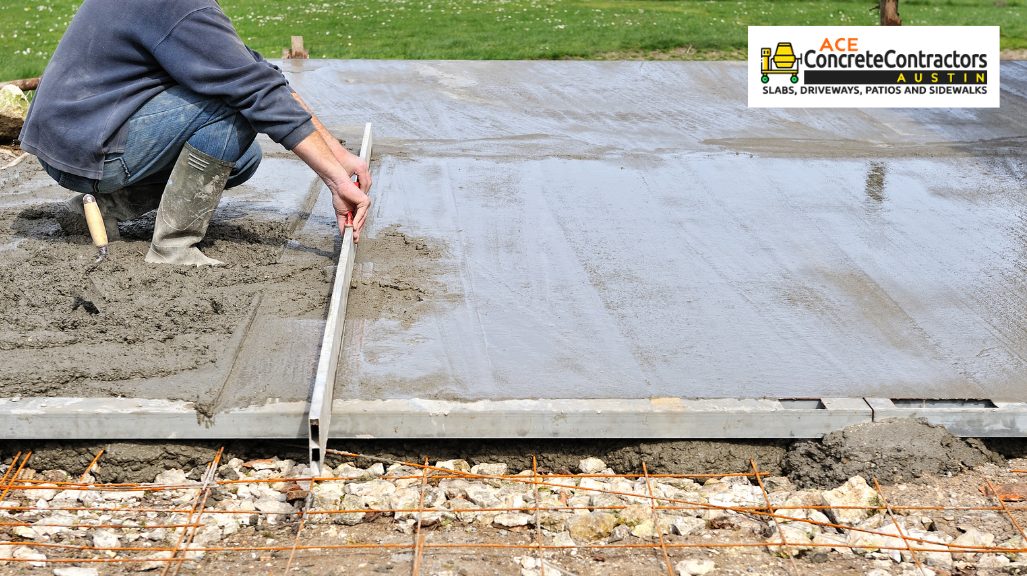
977, 418
139, 419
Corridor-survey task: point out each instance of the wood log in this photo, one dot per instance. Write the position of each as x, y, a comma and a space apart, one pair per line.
24, 85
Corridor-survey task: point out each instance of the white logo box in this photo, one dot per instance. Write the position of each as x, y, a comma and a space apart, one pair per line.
873, 67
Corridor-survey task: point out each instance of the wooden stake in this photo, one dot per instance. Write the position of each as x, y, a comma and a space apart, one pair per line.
297, 51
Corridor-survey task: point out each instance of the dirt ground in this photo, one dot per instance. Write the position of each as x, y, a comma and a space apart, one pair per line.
894, 451
734, 543
962, 489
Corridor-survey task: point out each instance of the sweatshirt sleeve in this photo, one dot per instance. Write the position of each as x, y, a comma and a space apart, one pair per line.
260, 58
203, 53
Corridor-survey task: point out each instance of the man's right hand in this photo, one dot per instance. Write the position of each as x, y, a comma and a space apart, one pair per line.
349, 198
318, 150
346, 196
354, 166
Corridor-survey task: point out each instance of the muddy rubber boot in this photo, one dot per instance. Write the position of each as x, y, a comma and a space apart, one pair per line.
117, 206
72, 219
131, 202
193, 192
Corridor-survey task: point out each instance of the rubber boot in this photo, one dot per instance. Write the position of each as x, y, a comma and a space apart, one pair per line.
72, 219
131, 202
190, 197
117, 206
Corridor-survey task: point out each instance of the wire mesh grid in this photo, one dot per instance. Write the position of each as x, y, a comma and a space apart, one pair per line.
179, 512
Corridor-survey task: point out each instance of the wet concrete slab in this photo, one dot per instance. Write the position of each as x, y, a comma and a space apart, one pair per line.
632, 230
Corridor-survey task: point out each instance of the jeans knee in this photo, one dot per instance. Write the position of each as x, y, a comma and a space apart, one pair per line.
69, 181
244, 137
228, 138
245, 166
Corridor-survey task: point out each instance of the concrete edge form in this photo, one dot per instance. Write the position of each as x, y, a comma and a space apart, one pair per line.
613, 418
141, 419
320, 414
984, 418
129, 418
668, 418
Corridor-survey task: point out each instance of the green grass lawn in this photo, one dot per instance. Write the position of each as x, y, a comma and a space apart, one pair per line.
512, 29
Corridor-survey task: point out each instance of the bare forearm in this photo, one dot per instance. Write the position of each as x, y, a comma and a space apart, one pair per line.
346, 196
353, 165
333, 144
317, 154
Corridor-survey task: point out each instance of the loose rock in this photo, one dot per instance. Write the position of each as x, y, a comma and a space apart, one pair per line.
647, 529
992, 561
796, 538
693, 567
26, 532
172, 477
275, 510
855, 492
531, 566
592, 526
483, 496
972, 538
591, 466
683, 526
13, 107
75, 571
348, 471
512, 519
106, 539
456, 465
488, 469
634, 515
156, 560
36, 558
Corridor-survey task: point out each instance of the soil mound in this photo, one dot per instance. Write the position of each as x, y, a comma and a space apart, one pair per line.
898, 450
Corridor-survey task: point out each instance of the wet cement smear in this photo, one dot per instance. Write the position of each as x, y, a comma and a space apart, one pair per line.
69, 328
875, 182
395, 277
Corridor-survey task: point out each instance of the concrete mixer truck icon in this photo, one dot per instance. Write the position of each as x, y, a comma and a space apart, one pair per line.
783, 62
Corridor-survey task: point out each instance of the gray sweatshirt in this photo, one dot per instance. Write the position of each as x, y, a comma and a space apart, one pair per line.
117, 54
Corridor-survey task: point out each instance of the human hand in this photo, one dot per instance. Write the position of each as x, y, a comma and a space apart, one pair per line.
336, 174
348, 198
355, 167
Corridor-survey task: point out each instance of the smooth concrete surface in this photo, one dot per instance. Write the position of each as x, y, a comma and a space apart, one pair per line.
624, 231
632, 230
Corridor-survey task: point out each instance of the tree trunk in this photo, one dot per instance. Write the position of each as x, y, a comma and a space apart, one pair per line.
890, 13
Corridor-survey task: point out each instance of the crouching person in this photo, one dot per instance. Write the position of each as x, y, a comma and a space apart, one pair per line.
156, 105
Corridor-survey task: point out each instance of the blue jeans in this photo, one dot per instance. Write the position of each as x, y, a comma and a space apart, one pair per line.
155, 136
